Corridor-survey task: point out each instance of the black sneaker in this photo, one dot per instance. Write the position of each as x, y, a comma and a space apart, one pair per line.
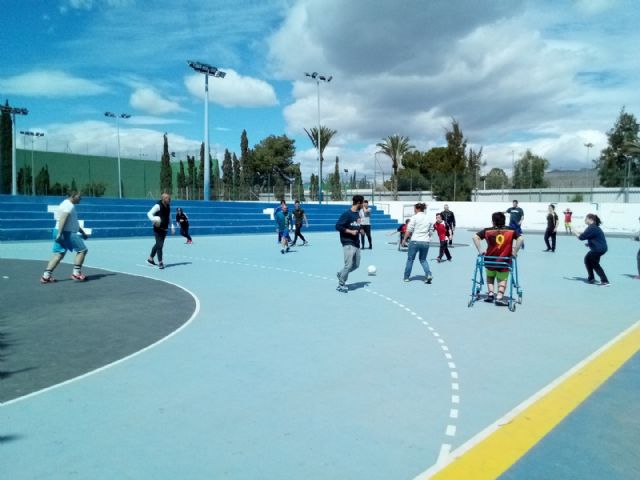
428, 279
151, 262
161, 266
489, 299
342, 288
605, 284
591, 281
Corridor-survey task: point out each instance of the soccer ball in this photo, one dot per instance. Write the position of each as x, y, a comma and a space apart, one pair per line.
156, 221
372, 270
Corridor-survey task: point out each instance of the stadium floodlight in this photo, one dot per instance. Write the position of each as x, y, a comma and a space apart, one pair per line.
114, 116
214, 72
33, 136
13, 111
317, 77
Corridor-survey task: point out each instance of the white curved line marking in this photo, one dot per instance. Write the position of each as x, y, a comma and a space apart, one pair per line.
123, 359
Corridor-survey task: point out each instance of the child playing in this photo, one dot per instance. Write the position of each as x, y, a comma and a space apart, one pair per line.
499, 244
443, 235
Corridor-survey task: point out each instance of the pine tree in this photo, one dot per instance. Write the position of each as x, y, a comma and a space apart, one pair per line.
200, 176
235, 191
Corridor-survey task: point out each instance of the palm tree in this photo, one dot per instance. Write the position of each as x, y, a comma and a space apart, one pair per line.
326, 134
395, 147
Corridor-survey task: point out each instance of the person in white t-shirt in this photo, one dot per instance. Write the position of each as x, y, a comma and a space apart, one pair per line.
67, 235
418, 235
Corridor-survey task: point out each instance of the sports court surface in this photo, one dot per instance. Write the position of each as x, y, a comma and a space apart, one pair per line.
248, 364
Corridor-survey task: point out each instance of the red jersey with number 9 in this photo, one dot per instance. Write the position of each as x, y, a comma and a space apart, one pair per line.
499, 241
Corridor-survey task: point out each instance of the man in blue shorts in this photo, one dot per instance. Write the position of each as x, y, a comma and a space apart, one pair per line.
67, 235
283, 220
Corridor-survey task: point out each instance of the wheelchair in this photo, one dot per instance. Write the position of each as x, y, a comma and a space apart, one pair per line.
514, 290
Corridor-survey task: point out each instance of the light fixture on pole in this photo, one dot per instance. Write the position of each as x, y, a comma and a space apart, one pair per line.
33, 136
125, 116
317, 77
13, 111
213, 71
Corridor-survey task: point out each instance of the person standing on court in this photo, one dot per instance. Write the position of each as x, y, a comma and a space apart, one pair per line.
67, 235
419, 230
500, 248
160, 216
441, 230
365, 224
283, 221
299, 217
450, 221
637, 239
349, 227
567, 221
597, 244
183, 222
516, 216
552, 229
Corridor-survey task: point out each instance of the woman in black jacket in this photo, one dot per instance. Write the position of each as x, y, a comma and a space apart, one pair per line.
183, 221
597, 244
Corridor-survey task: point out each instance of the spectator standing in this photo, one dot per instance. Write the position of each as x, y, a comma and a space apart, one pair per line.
552, 229
450, 220
349, 227
67, 235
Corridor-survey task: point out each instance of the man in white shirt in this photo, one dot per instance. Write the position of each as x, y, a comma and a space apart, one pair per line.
419, 233
67, 235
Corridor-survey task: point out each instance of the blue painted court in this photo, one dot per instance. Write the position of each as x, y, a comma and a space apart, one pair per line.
271, 373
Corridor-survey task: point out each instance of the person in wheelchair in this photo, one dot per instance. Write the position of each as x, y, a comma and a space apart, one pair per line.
500, 243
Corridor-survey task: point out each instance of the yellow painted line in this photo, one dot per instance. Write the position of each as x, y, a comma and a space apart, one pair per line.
513, 437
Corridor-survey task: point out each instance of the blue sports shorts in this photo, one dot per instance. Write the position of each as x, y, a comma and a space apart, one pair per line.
68, 241
284, 234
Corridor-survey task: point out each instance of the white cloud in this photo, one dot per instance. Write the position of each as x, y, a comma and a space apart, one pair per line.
233, 90
100, 138
516, 75
150, 101
50, 83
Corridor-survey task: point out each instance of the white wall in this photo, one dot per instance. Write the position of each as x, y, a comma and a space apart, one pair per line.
616, 217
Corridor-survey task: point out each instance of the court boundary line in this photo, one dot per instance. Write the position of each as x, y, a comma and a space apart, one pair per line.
120, 360
589, 374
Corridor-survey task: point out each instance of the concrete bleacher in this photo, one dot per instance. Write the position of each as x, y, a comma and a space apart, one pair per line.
31, 217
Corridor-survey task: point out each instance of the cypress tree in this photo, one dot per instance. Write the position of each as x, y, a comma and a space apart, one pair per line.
166, 174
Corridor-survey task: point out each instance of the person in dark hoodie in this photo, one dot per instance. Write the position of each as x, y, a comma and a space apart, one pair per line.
349, 227
597, 244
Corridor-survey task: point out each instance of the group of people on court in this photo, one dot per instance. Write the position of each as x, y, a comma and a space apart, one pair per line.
353, 226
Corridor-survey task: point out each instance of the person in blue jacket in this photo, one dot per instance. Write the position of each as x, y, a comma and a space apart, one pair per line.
597, 244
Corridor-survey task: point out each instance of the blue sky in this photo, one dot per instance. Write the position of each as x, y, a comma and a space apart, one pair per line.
542, 75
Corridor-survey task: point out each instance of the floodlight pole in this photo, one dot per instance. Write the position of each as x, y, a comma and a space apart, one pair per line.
13, 111
33, 136
215, 72
317, 77
122, 115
